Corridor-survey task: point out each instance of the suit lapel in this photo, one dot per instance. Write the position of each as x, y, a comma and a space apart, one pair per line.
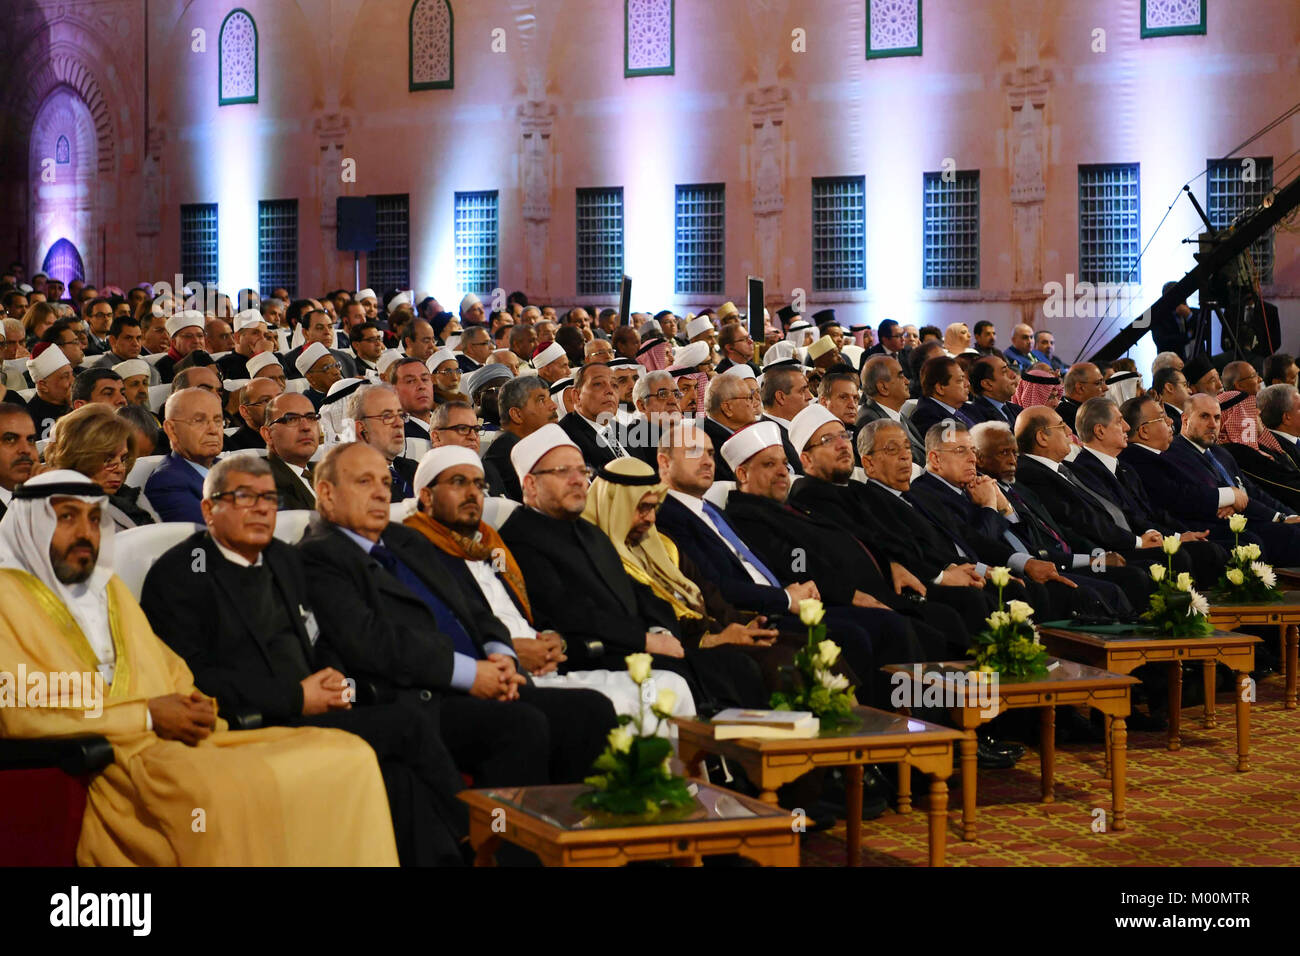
229, 595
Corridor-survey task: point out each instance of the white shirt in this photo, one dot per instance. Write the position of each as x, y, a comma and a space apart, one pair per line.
6, 496
1291, 438
235, 558
498, 598
1109, 461
91, 612
1054, 465
896, 416
696, 505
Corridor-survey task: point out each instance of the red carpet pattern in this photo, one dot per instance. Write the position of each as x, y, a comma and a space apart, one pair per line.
1184, 808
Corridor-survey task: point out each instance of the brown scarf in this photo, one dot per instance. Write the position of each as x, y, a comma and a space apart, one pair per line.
487, 547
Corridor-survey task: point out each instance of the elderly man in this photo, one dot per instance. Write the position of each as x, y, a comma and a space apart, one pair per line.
320, 366
286, 797
597, 350
731, 403
992, 383
1082, 382
52, 373
1202, 376
591, 426
252, 400
240, 617
552, 363
524, 405
1279, 412
471, 310
251, 338
125, 340
785, 394
478, 562
98, 385
317, 329
391, 615
218, 337
885, 389
1020, 351
1241, 377
378, 421
185, 334
626, 342
413, 382
18, 455
658, 401
292, 435
1200, 483
418, 340
194, 427
507, 358
474, 349
135, 381
523, 342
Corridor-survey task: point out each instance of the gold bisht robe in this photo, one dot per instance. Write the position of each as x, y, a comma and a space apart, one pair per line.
274, 797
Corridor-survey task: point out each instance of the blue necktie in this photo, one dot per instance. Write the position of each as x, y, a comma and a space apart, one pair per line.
729, 533
400, 489
1219, 469
448, 623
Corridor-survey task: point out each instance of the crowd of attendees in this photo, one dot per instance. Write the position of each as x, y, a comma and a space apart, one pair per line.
507, 503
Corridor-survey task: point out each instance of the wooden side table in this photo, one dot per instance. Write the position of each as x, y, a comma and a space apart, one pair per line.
877, 737
1284, 615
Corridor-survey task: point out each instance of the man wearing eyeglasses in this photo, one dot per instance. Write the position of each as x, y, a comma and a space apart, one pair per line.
195, 428
474, 348
292, 435
367, 345
454, 423
1082, 382
380, 423
321, 368
98, 313
737, 348
185, 334
732, 402
252, 400
233, 602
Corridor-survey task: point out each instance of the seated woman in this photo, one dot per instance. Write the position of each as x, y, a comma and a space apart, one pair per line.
102, 446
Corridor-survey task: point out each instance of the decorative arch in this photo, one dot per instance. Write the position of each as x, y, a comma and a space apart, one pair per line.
62, 151
237, 53
432, 45
63, 68
63, 262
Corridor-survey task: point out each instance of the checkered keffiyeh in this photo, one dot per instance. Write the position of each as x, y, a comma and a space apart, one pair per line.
1240, 424
1038, 386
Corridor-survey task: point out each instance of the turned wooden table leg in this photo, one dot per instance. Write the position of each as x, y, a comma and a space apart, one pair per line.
1047, 751
1105, 746
853, 796
1119, 771
485, 853
904, 788
1210, 676
1292, 653
938, 819
969, 766
768, 796
1243, 722
1175, 704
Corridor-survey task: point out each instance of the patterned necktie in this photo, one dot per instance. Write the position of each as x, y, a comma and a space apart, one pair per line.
1105, 504
1022, 507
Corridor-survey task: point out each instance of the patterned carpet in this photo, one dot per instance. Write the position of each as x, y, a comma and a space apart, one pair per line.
1184, 808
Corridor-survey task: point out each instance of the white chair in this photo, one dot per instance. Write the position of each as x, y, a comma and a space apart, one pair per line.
399, 511
718, 493
154, 357
158, 396
297, 385
417, 448
142, 469
26, 394
908, 407
497, 510
231, 431
136, 549
41, 446
282, 337
291, 525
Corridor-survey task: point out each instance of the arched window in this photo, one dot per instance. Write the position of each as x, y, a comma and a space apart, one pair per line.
432, 47
62, 152
238, 58
648, 37
63, 262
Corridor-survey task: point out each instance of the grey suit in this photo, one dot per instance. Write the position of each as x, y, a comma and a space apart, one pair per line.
870, 410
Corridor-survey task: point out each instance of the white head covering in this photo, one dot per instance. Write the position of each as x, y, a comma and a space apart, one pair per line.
797, 331
334, 411
439, 459
248, 319
131, 367
402, 298
438, 357
740, 371
528, 451
386, 359
260, 361
552, 353
689, 356
186, 319
309, 357
469, 300
47, 363
803, 425
28, 527
778, 352
698, 326
748, 442
366, 294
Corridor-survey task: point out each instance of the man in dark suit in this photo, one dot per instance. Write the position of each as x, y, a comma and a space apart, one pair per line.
732, 402
292, 434
1170, 386
737, 348
577, 586
232, 601
890, 342
992, 384
388, 615
1204, 483
1279, 412
785, 393
18, 455
525, 405
195, 430
885, 389
252, 400
1082, 382
377, 415
944, 390
591, 424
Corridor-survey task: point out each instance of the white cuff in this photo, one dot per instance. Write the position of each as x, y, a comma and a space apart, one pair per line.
1227, 496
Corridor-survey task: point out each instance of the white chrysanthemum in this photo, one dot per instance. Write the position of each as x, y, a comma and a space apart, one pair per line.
1264, 573
1198, 604
833, 682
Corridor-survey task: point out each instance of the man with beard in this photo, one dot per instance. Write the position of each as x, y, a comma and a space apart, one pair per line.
525, 405
18, 454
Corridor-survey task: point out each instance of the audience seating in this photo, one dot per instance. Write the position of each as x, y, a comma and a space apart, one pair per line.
718, 493
158, 396
290, 526
497, 510
142, 469
136, 549
417, 448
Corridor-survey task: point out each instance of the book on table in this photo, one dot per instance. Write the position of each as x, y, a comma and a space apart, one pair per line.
768, 724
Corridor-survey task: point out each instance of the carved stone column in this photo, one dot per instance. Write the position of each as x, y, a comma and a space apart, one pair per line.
537, 179
767, 172
1027, 89
331, 130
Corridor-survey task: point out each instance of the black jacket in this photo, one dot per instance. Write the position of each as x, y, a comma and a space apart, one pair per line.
719, 433
294, 495
871, 410
791, 455
980, 528
1086, 526
498, 470
983, 410
596, 451
194, 603
244, 440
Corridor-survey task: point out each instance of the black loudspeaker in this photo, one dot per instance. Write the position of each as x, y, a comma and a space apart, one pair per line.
356, 219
